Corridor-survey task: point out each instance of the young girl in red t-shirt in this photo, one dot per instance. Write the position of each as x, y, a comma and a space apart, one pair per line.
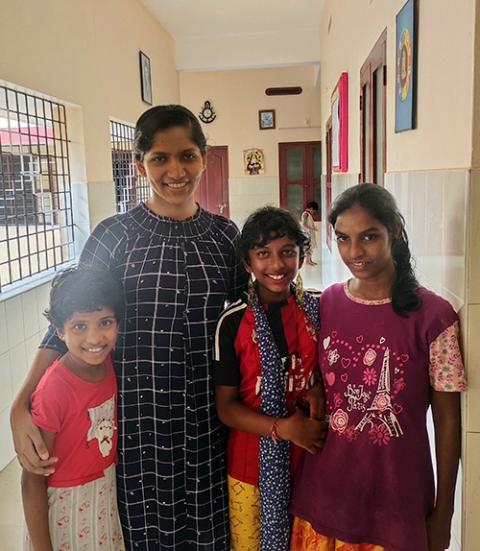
75, 406
265, 363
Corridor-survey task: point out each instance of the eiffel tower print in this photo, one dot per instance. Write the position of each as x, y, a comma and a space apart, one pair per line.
381, 409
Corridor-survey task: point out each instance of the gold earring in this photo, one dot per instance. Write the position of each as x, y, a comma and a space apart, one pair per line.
250, 290
299, 292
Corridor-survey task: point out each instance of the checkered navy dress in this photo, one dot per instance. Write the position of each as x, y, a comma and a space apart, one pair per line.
177, 275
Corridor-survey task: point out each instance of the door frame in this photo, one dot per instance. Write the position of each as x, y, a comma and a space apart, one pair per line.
308, 164
376, 58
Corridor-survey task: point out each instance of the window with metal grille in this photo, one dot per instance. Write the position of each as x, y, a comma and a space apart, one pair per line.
130, 186
36, 225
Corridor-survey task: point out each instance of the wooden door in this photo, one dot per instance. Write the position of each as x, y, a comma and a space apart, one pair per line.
373, 112
212, 193
300, 175
328, 179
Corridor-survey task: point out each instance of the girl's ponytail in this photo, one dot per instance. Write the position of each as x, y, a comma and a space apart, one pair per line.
381, 205
405, 296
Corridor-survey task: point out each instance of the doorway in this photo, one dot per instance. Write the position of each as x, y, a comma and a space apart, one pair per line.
328, 180
300, 175
212, 193
373, 106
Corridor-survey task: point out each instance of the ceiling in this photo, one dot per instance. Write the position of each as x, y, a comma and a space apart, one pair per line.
237, 34
208, 18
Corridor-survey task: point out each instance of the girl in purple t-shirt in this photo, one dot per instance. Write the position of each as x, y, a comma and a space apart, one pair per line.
388, 349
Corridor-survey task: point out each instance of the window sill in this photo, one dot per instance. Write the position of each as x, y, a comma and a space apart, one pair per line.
37, 280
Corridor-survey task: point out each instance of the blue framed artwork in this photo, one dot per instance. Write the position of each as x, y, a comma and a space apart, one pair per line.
405, 74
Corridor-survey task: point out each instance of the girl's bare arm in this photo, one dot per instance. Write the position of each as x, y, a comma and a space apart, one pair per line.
29, 445
306, 433
446, 418
35, 503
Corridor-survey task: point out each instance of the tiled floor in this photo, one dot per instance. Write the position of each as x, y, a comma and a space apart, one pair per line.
11, 516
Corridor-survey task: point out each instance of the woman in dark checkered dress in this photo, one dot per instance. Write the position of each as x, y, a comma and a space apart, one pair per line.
178, 265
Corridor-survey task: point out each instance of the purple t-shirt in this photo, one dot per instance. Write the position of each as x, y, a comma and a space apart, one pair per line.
373, 480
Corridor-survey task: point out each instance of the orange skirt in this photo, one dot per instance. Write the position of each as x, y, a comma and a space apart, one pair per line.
304, 538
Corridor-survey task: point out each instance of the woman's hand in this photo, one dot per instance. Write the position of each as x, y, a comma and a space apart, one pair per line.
438, 531
305, 432
31, 450
315, 398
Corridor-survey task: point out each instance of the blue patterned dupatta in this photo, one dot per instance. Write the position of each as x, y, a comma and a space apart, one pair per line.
274, 456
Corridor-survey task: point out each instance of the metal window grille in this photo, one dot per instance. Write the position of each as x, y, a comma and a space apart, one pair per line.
36, 224
130, 186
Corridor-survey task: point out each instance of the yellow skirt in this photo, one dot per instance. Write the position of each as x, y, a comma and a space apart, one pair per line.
304, 538
244, 510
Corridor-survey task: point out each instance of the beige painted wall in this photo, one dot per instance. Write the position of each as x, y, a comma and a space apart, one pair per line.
443, 136
237, 96
86, 53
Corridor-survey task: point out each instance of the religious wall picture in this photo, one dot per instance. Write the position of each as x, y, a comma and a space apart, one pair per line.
145, 78
266, 119
253, 162
405, 101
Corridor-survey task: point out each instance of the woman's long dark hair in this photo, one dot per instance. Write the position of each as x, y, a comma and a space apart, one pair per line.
380, 204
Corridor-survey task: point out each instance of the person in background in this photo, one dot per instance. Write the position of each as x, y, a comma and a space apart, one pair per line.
308, 224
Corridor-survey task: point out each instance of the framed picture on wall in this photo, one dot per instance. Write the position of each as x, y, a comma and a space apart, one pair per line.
339, 107
405, 93
145, 78
266, 119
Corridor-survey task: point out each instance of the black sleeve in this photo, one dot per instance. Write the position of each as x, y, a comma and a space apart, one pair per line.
226, 364
53, 341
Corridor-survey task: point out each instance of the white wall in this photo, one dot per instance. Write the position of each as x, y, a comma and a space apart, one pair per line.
237, 96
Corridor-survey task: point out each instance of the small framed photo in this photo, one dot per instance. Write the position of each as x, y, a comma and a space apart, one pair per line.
145, 78
266, 119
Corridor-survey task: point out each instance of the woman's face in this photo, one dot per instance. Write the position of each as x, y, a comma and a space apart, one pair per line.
173, 167
364, 244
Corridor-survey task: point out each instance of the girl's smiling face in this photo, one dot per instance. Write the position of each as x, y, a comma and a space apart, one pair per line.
173, 167
90, 336
274, 266
364, 244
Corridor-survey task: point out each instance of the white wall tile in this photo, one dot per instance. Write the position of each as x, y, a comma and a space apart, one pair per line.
471, 473
6, 391
472, 358
31, 347
14, 317
18, 366
31, 322
7, 453
3, 329
42, 302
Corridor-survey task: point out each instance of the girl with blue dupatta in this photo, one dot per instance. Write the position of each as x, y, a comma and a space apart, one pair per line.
267, 381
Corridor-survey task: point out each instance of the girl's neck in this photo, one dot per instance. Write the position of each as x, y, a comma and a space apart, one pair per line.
90, 373
376, 288
267, 297
177, 212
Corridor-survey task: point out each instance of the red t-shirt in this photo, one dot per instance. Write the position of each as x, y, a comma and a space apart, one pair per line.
84, 417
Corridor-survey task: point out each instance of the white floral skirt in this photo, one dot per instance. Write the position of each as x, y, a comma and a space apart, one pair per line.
84, 518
